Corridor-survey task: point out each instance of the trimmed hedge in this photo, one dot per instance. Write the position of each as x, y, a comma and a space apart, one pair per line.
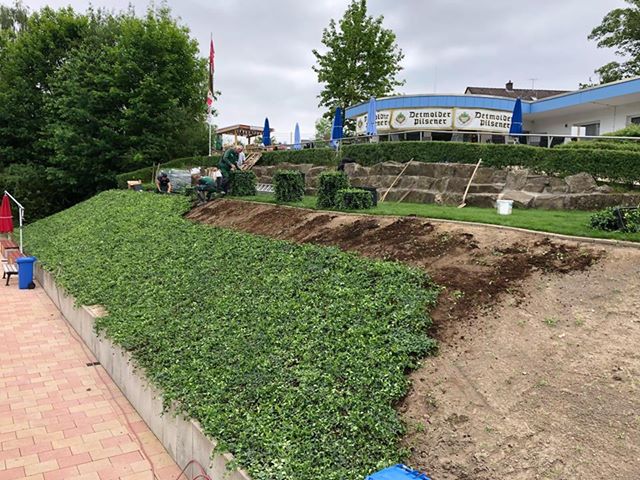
316, 156
145, 173
353, 199
243, 183
291, 356
288, 185
328, 185
602, 145
620, 164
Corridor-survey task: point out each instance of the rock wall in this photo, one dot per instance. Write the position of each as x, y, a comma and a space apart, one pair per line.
444, 183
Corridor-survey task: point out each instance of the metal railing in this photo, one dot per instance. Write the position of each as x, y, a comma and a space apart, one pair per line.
20, 215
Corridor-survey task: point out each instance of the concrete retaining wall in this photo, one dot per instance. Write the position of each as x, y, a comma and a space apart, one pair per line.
183, 438
445, 183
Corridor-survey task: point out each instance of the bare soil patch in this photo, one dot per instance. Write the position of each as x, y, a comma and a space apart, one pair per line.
537, 374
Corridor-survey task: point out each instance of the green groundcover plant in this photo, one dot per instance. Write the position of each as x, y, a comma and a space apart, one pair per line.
608, 220
292, 356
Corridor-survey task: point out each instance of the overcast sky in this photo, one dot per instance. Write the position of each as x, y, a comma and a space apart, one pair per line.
264, 59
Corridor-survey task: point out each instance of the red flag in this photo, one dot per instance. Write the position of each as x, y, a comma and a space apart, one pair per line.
212, 55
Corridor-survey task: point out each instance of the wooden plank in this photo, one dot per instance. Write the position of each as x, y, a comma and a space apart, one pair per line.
395, 181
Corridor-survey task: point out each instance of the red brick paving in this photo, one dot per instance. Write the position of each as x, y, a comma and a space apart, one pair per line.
60, 419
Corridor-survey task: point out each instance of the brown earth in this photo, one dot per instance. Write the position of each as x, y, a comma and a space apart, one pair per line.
537, 373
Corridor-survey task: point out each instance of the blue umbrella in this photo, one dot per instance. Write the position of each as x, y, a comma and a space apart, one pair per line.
297, 145
516, 120
336, 131
372, 130
266, 133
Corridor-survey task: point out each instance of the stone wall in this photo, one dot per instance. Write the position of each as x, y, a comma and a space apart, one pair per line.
444, 183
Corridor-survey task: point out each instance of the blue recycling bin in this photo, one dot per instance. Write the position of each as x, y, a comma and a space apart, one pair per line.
25, 272
398, 472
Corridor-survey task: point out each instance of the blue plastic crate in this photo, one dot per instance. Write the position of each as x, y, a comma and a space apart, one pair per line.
398, 472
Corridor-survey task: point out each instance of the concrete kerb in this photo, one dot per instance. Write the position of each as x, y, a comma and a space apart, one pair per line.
183, 438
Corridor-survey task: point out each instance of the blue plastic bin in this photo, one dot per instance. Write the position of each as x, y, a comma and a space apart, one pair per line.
398, 472
25, 272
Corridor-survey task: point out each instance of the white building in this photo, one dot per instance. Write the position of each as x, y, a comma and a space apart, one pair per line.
484, 114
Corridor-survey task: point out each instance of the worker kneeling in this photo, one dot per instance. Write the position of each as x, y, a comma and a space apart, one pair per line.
207, 186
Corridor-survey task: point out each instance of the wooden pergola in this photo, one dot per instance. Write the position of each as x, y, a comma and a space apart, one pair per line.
240, 130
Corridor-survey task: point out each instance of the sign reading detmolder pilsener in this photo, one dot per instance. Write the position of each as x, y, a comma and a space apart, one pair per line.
472, 119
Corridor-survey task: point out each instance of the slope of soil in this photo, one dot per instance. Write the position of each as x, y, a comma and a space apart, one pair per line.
537, 375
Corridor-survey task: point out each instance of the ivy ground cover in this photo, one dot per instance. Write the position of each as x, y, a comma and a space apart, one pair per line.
290, 356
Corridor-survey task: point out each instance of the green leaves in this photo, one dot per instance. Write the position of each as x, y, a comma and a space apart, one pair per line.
362, 59
288, 185
243, 183
328, 185
95, 94
291, 356
353, 199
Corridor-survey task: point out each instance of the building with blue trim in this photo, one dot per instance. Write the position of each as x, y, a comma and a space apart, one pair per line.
481, 117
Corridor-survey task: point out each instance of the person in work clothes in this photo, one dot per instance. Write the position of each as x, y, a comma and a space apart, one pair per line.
163, 183
227, 163
205, 187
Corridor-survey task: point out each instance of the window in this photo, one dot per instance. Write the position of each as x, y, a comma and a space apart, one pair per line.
635, 120
591, 129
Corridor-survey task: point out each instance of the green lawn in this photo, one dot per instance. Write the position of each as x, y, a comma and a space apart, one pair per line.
568, 222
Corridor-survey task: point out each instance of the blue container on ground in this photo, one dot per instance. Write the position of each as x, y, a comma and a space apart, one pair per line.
25, 272
398, 472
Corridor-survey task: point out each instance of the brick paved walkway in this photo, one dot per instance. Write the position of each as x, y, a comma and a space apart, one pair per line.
59, 418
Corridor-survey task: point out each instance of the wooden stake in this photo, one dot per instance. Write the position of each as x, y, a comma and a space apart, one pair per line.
395, 181
464, 197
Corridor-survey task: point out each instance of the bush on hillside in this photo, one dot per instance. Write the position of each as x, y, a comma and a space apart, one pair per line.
242, 183
290, 356
353, 199
328, 185
288, 185
613, 219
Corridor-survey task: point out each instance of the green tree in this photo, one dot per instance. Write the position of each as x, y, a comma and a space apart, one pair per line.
86, 96
361, 60
130, 96
620, 30
28, 64
323, 129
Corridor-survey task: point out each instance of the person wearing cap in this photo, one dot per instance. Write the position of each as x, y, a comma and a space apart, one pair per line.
163, 183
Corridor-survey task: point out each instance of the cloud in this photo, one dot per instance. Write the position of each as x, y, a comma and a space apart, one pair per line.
263, 49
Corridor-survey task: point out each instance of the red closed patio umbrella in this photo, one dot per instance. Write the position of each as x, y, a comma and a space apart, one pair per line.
6, 218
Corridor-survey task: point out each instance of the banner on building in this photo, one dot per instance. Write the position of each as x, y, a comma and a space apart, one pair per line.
416, 119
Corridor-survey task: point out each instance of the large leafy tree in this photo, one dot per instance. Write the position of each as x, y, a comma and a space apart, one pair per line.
361, 60
127, 98
620, 30
86, 96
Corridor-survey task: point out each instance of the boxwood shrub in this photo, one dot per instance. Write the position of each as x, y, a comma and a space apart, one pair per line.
242, 183
328, 185
353, 199
288, 185
291, 356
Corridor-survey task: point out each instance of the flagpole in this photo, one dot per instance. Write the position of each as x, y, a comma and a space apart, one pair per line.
209, 122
